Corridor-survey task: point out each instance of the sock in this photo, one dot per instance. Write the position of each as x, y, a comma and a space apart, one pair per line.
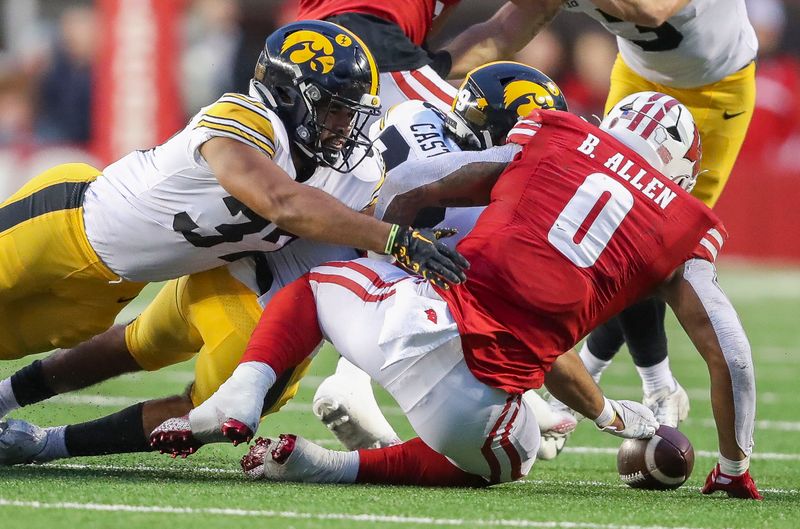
119, 433
55, 447
657, 377
412, 463
732, 467
595, 366
8, 402
29, 385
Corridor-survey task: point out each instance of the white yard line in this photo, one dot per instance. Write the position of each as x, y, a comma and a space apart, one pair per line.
297, 515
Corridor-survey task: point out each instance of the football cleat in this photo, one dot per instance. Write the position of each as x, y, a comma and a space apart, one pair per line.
669, 406
293, 458
347, 407
237, 431
174, 437
734, 486
20, 442
550, 446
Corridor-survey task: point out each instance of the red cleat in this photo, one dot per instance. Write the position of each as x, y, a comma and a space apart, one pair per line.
734, 486
237, 431
174, 437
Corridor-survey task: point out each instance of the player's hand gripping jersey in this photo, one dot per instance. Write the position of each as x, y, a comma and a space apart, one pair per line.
704, 42
134, 206
579, 191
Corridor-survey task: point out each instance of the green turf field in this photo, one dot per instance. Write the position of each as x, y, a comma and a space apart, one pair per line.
580, 489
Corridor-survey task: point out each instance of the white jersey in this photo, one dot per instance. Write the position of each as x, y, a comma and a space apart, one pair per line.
703, 43
266, 273
414, 132
160, 214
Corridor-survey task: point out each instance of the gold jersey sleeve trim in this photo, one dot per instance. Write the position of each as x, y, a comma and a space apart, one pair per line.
243, 118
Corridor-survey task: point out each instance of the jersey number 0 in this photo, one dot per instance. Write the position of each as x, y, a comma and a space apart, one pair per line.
588, 221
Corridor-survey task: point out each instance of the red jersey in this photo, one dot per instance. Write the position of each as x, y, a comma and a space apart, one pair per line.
579, 227
413, 16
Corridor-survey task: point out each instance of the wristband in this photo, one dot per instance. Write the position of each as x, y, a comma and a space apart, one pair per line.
391, 238
606, 416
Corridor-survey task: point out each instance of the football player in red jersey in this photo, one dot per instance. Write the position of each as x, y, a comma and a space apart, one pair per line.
581, 222
395, 32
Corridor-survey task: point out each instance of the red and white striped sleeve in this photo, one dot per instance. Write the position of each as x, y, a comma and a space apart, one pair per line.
525, 129
711, 244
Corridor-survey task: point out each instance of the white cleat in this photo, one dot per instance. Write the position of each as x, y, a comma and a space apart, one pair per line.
293, 458
347, 407
669, 406
20, 442
550, 446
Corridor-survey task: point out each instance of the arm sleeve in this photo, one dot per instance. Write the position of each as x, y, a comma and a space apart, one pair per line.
417, 173
702, 277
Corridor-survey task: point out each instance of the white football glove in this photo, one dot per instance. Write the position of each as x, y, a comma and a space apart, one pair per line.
638, 420
241, 397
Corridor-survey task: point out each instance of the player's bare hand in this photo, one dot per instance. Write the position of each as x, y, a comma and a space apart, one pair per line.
420, 251
734, 486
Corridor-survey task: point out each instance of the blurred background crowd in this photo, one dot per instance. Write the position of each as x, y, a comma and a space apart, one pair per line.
54, 105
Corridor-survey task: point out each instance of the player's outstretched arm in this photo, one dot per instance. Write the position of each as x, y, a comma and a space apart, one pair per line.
507, 32
261, 185
711, 322
457, 179
569, 382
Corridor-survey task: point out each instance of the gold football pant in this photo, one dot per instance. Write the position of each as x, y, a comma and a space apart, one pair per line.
54, 289
722, 111
211, 315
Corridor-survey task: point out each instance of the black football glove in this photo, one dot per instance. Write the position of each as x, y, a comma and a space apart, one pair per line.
420, 252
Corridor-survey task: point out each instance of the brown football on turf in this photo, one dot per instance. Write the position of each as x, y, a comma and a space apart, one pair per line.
663, 462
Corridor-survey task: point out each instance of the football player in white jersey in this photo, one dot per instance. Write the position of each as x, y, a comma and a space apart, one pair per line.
253, 139
78, 244
211, 314
700, 52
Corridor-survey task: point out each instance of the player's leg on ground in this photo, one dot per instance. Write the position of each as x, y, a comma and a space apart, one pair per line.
122, 432
346, 405
98, 359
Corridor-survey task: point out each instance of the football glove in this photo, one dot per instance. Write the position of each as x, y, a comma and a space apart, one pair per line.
419, 251
734, 486
638, 420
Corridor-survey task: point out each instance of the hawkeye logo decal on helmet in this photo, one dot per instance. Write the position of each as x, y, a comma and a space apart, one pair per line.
311, 47
527, 96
